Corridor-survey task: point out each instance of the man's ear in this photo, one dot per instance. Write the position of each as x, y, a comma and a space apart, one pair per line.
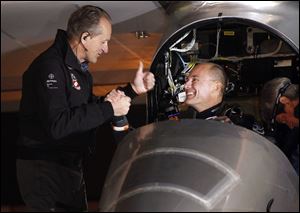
284, 100
84, 37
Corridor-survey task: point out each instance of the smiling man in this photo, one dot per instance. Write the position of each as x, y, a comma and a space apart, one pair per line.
59, 114
205, 87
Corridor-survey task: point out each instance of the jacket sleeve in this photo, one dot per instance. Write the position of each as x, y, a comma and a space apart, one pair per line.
119, 135
120, 128
128, 90
58, 118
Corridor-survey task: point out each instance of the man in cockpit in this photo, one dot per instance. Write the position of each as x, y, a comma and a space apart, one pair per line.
205, 87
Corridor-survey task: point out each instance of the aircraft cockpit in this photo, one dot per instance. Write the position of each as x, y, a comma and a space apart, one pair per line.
250, 50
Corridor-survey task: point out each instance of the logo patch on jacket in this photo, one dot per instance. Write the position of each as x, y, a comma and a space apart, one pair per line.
75, 83
51, 82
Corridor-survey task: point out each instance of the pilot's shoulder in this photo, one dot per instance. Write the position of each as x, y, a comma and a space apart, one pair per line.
237, 115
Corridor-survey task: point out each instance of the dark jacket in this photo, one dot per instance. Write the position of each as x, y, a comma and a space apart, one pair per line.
58, 110
227, 113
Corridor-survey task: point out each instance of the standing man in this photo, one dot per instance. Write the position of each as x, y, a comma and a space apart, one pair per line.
59, 114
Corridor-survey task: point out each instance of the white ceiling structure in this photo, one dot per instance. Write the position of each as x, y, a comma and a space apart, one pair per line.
29, 27
28, 23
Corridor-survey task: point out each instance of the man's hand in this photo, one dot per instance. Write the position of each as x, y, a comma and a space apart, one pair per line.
114, 95
119, 101
143, 81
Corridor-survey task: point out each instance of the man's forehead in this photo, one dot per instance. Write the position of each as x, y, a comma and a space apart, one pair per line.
105, 28
200, 69
104, 20
104, 24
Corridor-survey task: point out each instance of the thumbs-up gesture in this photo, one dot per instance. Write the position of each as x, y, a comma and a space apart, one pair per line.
143, 81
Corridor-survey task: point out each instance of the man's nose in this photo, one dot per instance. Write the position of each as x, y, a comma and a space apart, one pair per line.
187, 84
105, 48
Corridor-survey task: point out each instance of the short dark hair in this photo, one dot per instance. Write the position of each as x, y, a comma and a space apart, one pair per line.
85, 19
269, 94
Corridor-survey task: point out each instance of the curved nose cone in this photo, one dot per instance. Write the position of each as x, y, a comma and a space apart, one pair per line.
198, 165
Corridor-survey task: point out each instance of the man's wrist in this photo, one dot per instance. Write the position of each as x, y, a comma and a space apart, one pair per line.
134, 88
120, 123
129, 91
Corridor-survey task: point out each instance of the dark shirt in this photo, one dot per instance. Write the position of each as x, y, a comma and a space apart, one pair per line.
210, 113
227, 113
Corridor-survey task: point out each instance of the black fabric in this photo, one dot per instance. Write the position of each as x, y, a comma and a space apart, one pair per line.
58, 118
232, 111
213, 111
69, 160
52, 187
57, 107
128, 90
119, 121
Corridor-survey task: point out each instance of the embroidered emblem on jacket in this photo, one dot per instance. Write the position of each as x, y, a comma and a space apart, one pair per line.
51, 82
75, 83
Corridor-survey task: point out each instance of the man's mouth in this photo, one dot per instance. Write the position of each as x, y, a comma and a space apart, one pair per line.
190, 94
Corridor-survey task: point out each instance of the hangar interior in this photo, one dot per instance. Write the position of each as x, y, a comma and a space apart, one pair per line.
250, 52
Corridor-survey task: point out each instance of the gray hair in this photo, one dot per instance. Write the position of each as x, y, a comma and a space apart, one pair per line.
85, 19
269, 94
217, 72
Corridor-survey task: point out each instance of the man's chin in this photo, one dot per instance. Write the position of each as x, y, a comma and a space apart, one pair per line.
94, 61
188, 102
189, 99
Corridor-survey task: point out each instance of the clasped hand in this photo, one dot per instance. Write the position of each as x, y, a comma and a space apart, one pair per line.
119, 101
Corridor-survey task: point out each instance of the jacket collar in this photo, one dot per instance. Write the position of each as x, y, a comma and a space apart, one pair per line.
61, 41
210, 112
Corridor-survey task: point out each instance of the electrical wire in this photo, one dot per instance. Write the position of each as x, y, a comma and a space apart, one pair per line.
188, 46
